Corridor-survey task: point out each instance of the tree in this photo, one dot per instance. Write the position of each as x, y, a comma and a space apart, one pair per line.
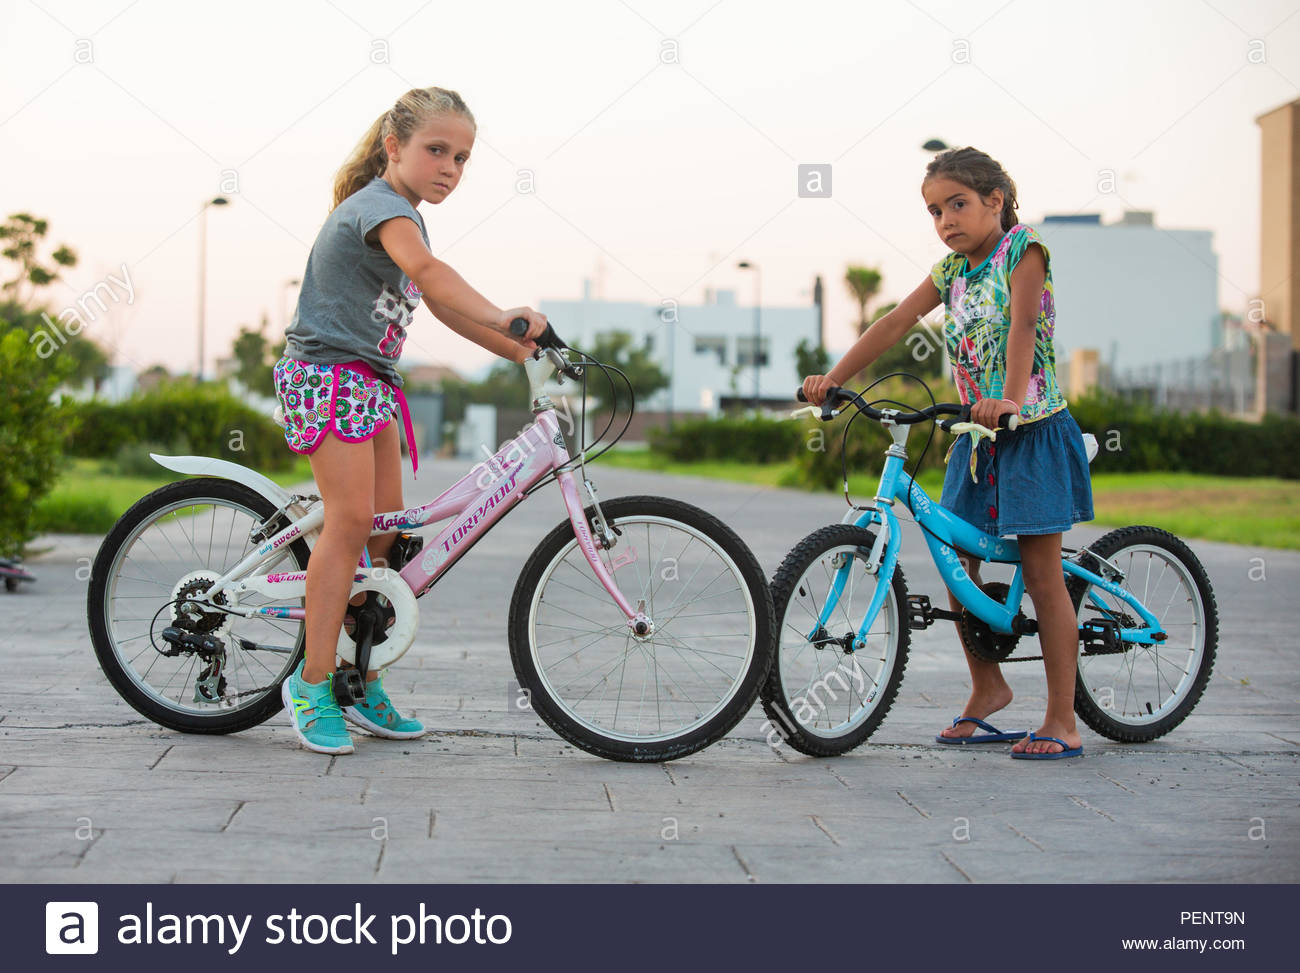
23, 232
255, 358
809, 360
645, 376
863, 283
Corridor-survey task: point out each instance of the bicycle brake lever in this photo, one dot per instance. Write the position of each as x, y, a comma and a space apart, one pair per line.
813, 411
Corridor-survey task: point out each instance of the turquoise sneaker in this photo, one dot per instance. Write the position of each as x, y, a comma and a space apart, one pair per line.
378, 715
315, 714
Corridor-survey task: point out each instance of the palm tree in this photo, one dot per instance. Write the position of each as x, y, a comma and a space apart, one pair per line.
863, 283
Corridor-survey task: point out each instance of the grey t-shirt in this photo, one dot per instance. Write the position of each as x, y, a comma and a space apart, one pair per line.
354, 302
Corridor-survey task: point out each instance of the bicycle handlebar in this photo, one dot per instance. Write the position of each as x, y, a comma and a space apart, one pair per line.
547, 339
960, 413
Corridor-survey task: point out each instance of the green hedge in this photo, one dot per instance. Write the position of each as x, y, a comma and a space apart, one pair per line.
743, 439
206, 420
1131, 438
1134, 437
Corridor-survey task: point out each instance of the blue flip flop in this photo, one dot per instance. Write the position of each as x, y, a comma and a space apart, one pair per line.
1067, 752
994, 735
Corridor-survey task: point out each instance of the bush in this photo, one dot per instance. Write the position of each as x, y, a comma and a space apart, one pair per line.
1134, 437
32, 429
823, 468
206, 419
752, 439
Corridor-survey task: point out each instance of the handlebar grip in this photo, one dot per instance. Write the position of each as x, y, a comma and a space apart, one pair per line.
799, 396
547, 339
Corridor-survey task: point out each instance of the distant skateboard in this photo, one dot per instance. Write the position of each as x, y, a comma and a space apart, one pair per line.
13, 573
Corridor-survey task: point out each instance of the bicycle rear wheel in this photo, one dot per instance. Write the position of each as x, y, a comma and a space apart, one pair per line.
668, 694
1141, 692
826, 694
171, 543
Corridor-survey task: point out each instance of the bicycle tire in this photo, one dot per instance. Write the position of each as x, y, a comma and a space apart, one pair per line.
1088, 688
780, 703
106, 571
587, 728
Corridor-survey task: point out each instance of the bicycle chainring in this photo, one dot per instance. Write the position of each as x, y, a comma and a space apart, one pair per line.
980, 640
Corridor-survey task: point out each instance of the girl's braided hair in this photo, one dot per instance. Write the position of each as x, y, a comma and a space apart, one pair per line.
980, 172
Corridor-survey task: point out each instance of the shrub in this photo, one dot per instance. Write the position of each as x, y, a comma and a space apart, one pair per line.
206, 419
752, 439
32, 429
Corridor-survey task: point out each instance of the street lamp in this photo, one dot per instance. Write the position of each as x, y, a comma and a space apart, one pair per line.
203, 271
758, 319
284, 289
935, 145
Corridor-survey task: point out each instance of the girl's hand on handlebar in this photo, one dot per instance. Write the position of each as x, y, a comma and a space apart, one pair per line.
536, 325
986, 411
815, 388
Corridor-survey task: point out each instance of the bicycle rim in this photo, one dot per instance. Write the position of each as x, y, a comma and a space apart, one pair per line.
1145, 683
670, 683
831, 692
194, 539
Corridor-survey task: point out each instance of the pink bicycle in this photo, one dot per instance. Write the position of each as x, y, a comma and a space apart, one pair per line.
641, 627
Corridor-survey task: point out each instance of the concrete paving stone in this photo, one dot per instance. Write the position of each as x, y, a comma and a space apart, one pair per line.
504, 860
172, 812
233, 851
512, 801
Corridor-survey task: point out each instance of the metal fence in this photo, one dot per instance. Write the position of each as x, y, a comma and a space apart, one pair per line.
1225, 380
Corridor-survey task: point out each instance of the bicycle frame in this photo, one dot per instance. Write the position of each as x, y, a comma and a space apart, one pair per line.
474, 505
945, 533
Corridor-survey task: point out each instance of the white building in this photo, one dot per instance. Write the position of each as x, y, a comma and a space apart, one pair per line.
1137, 293
707, 350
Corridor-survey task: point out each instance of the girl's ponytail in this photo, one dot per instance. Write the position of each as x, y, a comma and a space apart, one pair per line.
980, 172
411, 111
367, 161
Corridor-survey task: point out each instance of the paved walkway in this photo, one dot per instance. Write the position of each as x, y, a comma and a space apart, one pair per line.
90, 792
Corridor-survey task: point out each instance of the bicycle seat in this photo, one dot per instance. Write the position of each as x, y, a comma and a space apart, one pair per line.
1090, 445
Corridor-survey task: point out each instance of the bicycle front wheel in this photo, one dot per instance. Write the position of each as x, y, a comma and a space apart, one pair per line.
658, 697
828, 689
1140, 692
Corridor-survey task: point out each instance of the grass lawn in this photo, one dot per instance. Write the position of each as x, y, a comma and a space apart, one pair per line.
89, 497
1256, 511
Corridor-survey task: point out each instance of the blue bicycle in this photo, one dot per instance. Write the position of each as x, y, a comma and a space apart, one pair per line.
1148, 624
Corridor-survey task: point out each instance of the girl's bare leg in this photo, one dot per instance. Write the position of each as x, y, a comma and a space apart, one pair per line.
388, 495
345, 477
1040, 557
989, 690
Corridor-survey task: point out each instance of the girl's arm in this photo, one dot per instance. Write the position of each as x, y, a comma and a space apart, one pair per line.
494, 341
1027, 281
440, 283
875, 341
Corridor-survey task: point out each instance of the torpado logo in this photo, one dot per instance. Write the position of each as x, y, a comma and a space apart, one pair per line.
71, 927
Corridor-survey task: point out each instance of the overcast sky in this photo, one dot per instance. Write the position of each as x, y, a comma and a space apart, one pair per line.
662, 138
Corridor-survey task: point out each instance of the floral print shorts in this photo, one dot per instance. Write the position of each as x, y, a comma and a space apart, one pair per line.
349, 400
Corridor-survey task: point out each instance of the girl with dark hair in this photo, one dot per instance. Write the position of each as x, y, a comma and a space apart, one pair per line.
996, 287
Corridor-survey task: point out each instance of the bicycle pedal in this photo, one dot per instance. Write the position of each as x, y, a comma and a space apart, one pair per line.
1100, 636
919, 612
349, 686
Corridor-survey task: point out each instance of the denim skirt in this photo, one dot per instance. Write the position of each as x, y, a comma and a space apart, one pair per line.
1031, 481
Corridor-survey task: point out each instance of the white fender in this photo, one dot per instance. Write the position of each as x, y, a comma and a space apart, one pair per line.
207, 466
